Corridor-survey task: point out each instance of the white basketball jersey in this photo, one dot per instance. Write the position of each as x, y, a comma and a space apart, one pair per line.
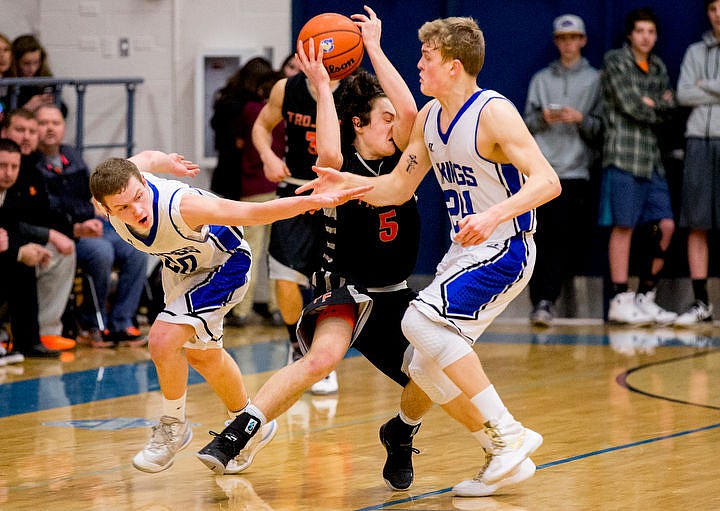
183, 250
471, 183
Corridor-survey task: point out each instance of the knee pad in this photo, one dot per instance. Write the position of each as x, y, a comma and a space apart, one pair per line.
434, 340
429, 377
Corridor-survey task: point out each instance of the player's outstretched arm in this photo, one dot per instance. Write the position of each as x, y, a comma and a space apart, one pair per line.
159, 162
394, 188
200, 210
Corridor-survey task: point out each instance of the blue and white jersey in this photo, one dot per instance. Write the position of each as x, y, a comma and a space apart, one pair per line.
205, 272
182, 249
470, 183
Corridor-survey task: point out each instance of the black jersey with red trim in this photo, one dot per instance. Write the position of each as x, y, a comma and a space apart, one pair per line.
300, 111
371, 246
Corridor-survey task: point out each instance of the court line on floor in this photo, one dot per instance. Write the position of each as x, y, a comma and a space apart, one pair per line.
434, 493
622, 380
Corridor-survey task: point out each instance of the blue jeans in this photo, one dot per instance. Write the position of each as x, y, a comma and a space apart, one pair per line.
98, 257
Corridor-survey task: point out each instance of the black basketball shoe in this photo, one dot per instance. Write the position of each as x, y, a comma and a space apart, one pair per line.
226, 445
398, 469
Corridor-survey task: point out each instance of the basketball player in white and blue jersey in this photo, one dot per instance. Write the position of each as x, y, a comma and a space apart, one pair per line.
493, 175
206, 267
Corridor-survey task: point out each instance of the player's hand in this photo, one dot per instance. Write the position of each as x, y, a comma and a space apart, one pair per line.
333, 198
371, 28
312, 65
32, 254
328, 179
179, 166
475, 229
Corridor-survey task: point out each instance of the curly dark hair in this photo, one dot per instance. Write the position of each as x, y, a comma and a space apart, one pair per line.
357, 97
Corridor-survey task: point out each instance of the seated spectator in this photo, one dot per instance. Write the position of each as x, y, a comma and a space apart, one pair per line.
99, 248
19, 257
28, 197
31, 62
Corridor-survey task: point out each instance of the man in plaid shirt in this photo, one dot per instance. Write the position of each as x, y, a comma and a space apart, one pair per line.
637, 98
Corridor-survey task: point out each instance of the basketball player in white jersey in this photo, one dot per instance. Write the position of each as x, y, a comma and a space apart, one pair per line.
206, 267
493, 175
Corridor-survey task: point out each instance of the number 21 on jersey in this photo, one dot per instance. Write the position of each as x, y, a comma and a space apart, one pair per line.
459, 205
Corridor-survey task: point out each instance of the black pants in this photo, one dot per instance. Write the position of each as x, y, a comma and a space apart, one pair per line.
562, 239
19, 288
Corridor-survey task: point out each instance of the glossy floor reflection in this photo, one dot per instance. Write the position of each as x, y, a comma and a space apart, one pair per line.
629, 416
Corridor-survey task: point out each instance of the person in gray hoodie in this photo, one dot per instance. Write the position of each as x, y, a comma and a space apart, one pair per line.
699, 88
562, 112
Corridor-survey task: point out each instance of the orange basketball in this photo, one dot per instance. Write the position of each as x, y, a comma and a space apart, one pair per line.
340, 40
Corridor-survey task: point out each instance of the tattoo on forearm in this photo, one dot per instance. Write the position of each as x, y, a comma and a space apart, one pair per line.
412, 163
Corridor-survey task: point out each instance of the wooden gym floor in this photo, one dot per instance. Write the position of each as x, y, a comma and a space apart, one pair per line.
631, 420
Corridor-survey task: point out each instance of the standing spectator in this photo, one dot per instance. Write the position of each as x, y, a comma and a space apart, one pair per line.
563, 114
290, 66
99, 248
239, 173
698, 87
637, 98
7, 70
295, 243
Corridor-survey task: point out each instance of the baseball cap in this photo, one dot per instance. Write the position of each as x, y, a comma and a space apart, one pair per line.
568, 24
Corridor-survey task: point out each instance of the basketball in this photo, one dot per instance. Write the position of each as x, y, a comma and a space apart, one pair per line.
340, 40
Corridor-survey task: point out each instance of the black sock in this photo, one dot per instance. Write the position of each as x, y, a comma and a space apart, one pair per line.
647, 285
400, 430
616, 288
700, 290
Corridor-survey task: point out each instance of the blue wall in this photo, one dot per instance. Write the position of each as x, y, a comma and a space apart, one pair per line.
519, 42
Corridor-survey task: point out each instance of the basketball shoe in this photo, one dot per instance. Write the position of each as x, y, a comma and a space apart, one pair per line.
247, 454
398, 470
328, 385
624, 309
167, 438
646, 303
475, 487
697, 313
509, 444
227, 444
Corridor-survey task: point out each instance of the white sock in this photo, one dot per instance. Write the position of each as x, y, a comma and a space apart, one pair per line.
255, 412
175, 407
489, 403
232, 414
407, 420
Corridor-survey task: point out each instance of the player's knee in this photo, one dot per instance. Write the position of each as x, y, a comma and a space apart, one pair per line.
432, 380
435, 340
318, 363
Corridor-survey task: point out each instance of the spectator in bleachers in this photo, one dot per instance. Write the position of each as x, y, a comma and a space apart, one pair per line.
698, 88
29, 196
290, 67
99, 248
20, 253
562, 112
637, 98
31, 61
7, 70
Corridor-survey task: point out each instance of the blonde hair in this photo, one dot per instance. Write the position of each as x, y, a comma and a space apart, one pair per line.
456, 38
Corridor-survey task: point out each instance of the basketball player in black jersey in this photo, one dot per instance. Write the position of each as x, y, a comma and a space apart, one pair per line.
361, 291
296, 244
